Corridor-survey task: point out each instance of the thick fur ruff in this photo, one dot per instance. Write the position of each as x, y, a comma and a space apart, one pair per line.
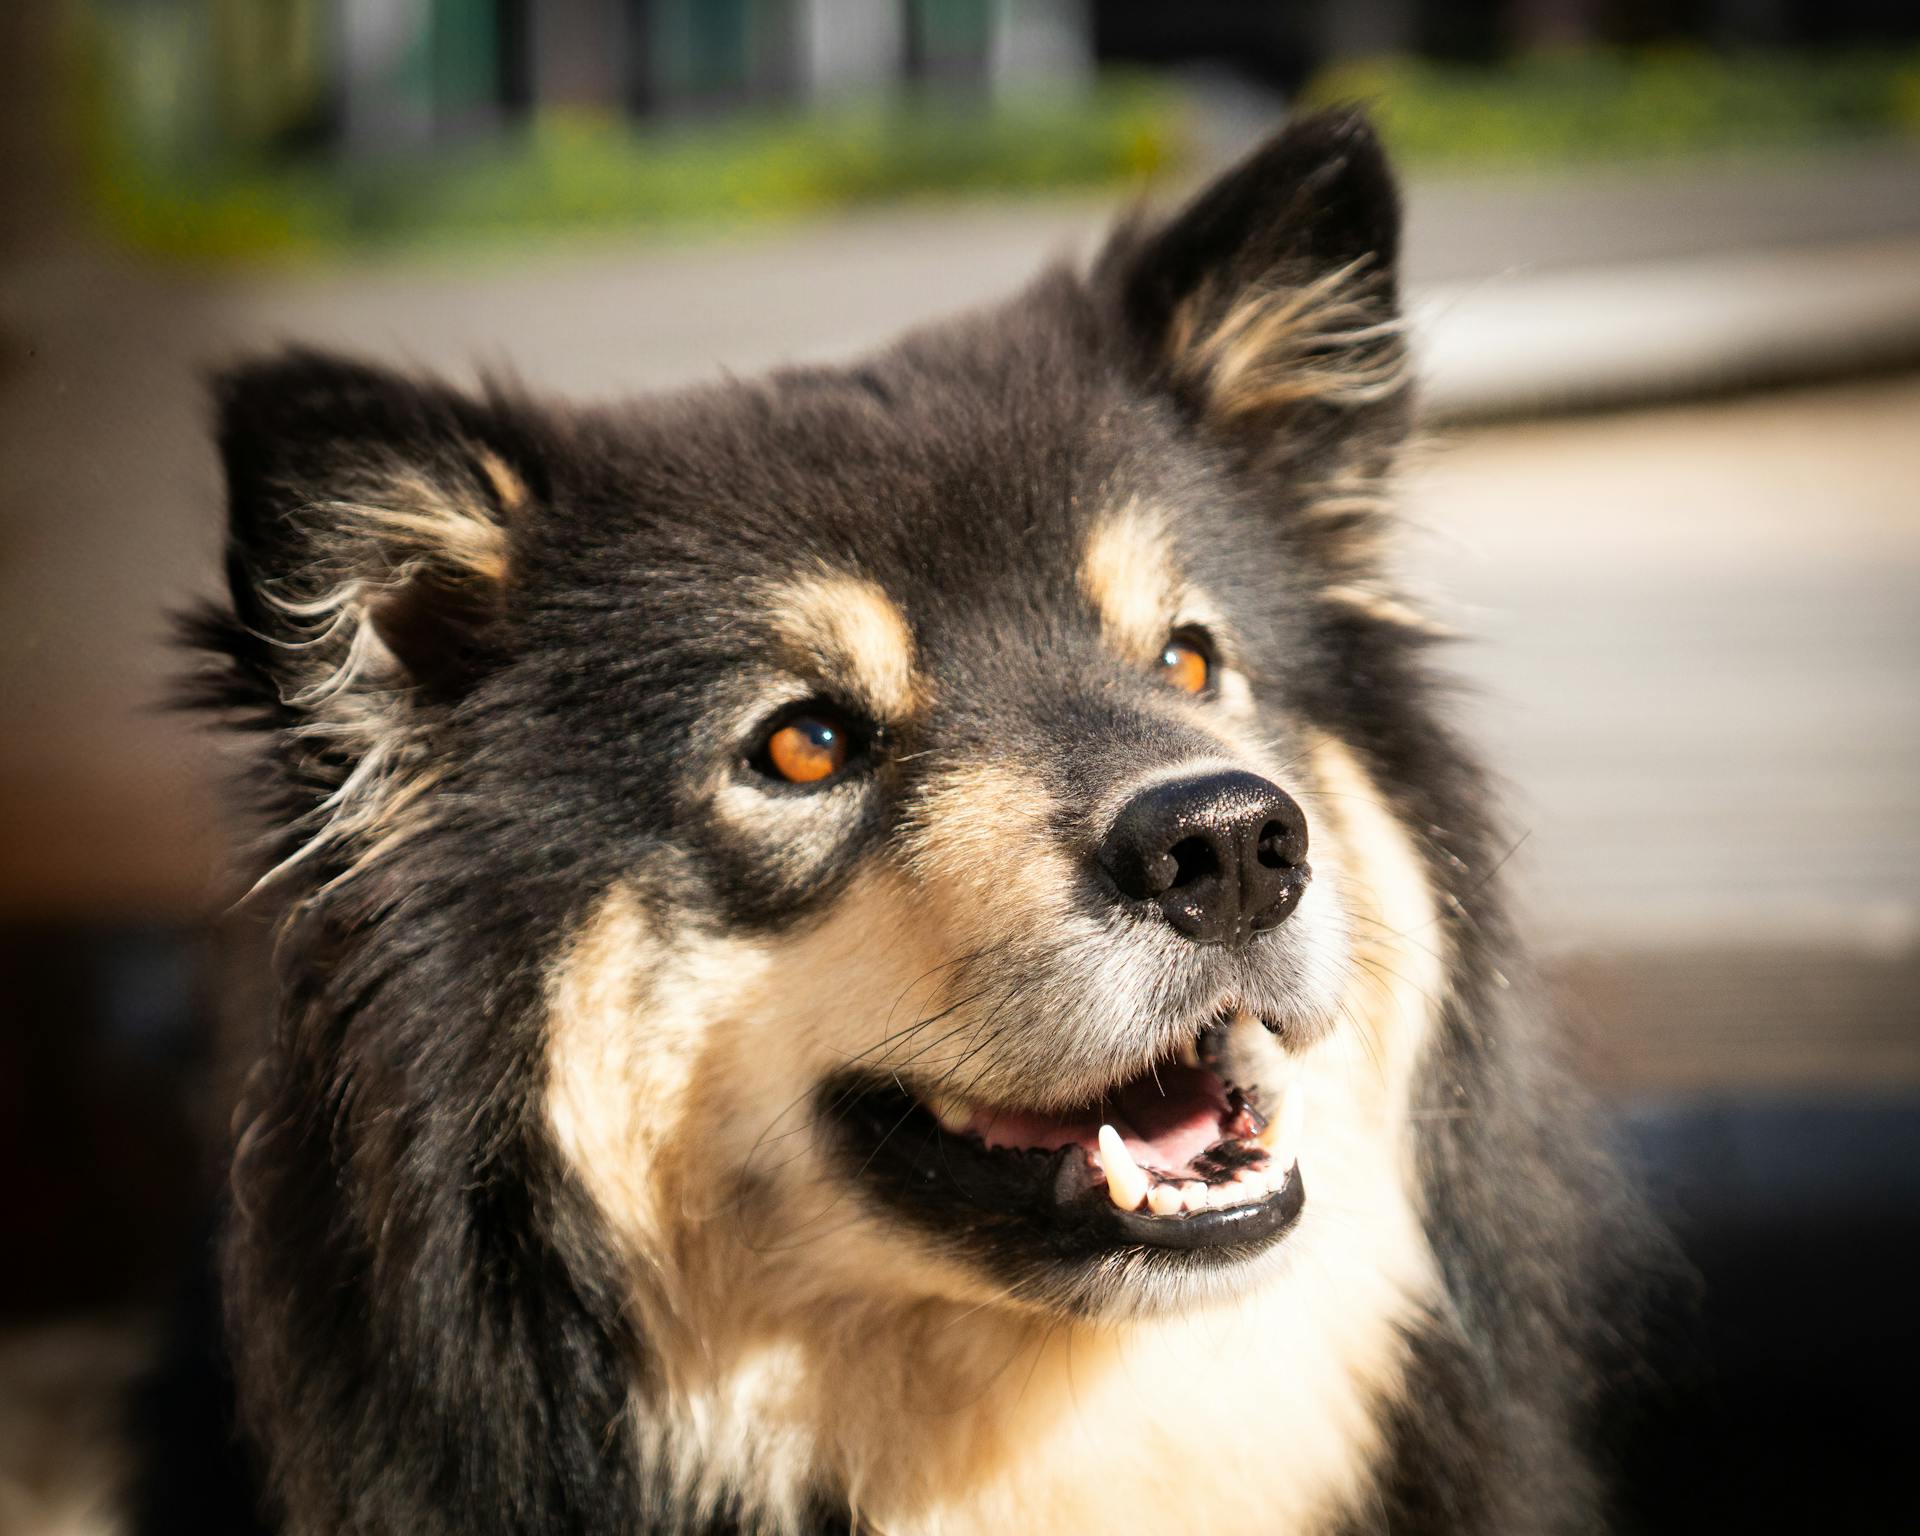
545, 1214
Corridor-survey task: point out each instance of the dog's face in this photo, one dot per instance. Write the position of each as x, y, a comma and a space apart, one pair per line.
981, 817
921, 787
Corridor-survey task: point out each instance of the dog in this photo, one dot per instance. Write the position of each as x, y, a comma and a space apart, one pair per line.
900, 947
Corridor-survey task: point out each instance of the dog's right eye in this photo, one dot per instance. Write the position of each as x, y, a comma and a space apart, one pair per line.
1187, 662
806, 748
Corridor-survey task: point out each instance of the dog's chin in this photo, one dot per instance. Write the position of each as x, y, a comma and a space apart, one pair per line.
1172, 1182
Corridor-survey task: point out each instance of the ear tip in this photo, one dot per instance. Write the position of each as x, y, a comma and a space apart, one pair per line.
1338, 144
1341, 163
292, 418
269, 391
297, 414
1344, 126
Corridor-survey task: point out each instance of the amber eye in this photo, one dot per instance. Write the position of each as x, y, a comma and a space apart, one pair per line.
807, 749
1186, 664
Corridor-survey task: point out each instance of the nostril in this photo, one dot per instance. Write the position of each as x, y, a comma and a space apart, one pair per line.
1194, 858
1277, 848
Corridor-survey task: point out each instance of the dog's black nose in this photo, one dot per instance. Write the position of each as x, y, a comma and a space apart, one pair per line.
1223, 856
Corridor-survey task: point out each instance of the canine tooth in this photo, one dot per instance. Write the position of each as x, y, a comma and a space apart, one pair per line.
953, 1118
1270, 1132
1126, 1184
1189, 1054
1281, 1138
1291, 1121
1164, 1199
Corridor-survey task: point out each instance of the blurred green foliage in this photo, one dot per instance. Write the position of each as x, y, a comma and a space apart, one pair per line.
574, 173
569, 173
1570, 108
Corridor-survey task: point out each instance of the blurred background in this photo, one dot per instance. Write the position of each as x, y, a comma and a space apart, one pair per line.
1664, 262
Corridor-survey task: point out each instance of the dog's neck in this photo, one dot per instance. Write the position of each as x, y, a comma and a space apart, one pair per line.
1262, 1410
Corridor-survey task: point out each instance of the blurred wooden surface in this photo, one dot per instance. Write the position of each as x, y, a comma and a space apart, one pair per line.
1696, 646
1731, 1021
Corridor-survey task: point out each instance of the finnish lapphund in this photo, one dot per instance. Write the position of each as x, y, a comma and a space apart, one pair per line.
899, 947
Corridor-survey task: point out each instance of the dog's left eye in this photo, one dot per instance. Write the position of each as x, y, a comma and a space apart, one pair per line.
1187, 663
809, 747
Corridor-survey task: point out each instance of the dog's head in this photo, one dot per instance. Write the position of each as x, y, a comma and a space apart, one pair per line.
911, 827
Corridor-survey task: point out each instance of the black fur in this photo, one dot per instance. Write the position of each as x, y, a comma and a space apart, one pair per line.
427, 1320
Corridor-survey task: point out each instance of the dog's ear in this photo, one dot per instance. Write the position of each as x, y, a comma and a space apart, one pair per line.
371, 551
1270, 303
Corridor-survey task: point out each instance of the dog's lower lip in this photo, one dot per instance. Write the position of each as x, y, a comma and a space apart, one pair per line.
1236, 1225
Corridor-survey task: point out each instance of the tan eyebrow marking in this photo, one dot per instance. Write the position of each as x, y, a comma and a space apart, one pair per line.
847, 627
1129, 576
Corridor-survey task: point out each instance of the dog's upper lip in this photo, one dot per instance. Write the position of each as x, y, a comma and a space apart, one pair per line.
1196, 1044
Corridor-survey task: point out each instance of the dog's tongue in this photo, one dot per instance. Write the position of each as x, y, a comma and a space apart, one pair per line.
1166, 1117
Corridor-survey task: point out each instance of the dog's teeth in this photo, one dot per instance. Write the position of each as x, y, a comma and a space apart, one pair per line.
1277, 1118
1254, 1021
1164, 1199
1126, 1184
1250, 1185
1193, 1197
1293, 1123
1282, 1138
1189, 1054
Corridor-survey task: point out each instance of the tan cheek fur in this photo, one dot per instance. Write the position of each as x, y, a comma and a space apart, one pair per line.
799, 1333
981, 839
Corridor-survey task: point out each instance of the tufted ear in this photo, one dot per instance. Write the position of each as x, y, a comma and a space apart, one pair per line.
372, 526
1270, 304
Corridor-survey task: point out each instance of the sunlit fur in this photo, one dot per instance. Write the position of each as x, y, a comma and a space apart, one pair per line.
842, 626
1320, 340
1130, 575
788, 1316
541, 1216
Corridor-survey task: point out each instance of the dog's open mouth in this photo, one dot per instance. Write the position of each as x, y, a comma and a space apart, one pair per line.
1194, 1153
